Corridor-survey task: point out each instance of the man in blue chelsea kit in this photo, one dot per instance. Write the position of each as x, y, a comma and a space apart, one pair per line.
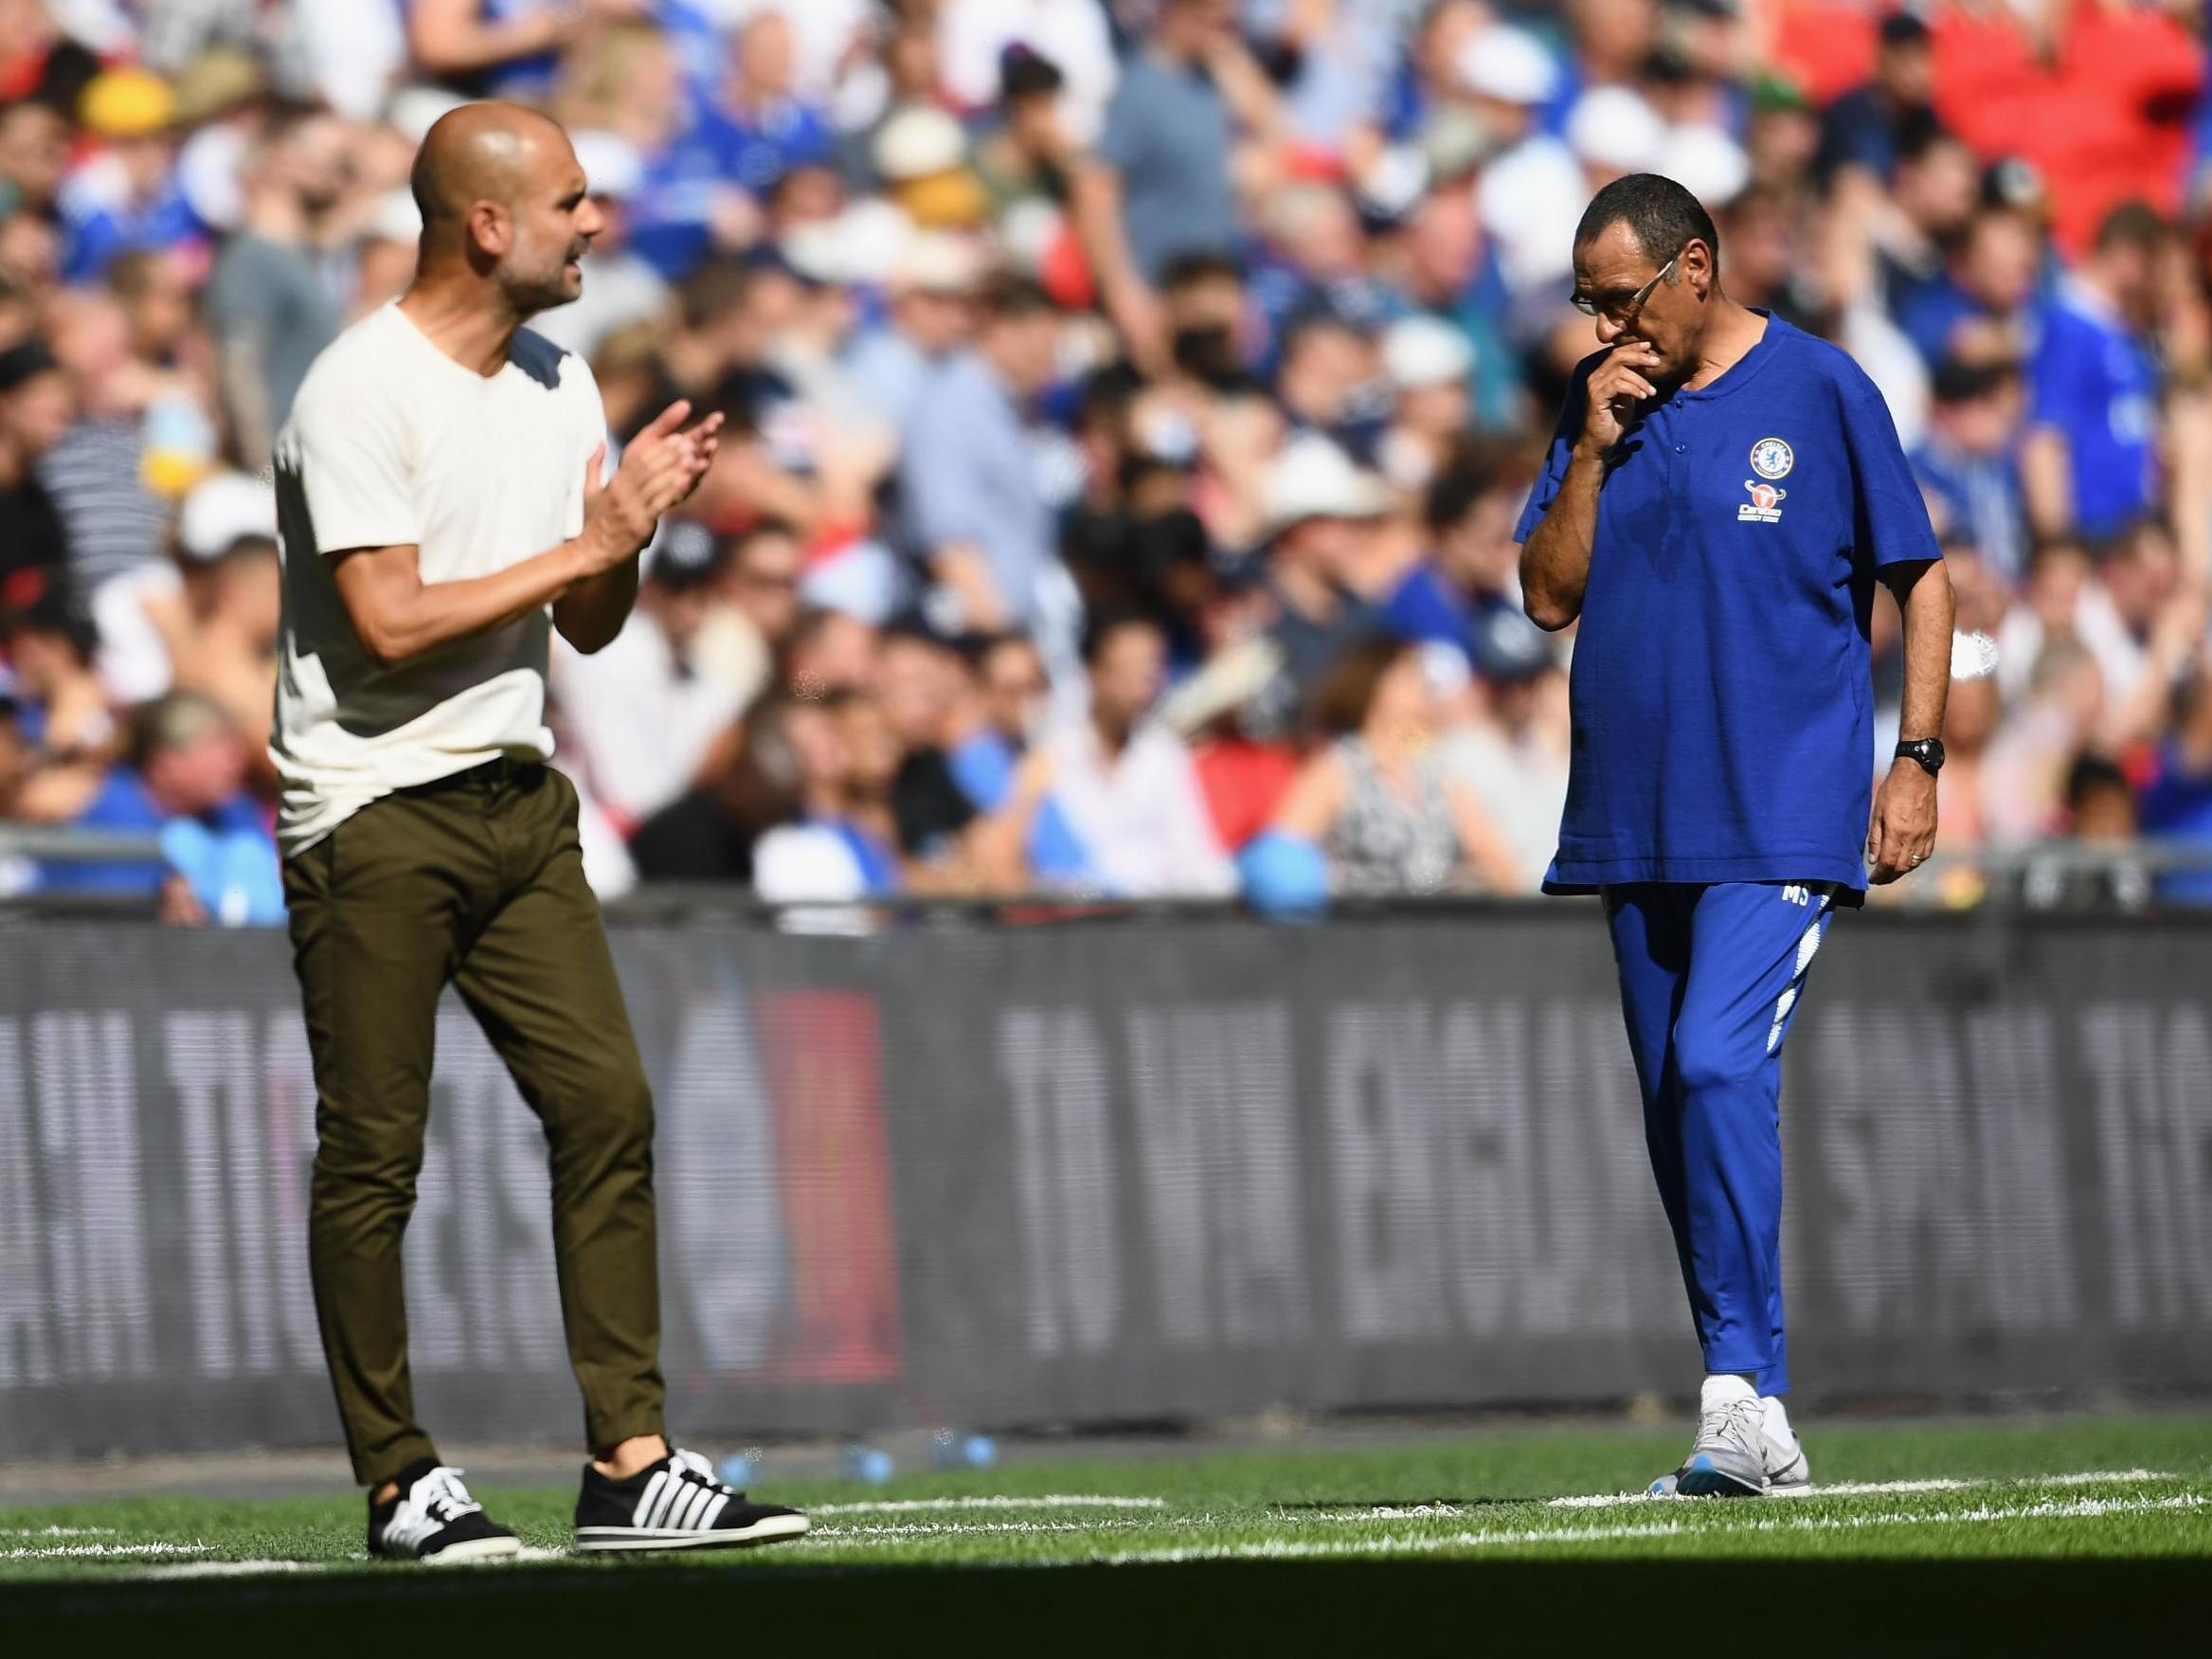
1720, 499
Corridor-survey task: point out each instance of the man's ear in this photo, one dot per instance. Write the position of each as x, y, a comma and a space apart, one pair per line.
490, 227
1698, 267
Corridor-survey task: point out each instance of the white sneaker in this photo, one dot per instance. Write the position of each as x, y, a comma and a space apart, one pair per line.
1745, 1447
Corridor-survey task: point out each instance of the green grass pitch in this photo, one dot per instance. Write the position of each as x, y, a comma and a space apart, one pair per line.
2063, 1535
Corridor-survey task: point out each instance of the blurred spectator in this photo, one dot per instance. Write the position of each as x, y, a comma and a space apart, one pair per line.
273, 301
969, 476
930, 316
759, 128
1025, 159
990, 729
182, 781
1321, 509
127, 196
102, 473
61, 713
1429, 365
754, 610
2101, 815
978, 39
1126, 783
1532, 188
1969, 463
1863, 128
827, 651
35, 411
220, 638
1378, 799
642, 715
2089, 461
1983, 308
1472, 567
2177, 804
1157, 184
1514, 759
34, 156
505, 48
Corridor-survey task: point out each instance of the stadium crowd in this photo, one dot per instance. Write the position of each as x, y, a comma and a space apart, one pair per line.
1129, 404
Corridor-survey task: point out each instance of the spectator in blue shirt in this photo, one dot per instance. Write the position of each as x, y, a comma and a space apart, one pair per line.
2177, 806
1968, 464
1469, 576
2089, 465
758, 130
1980, 306
967, 476
184, 782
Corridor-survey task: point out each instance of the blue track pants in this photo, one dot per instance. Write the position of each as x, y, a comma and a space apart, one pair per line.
1710, 978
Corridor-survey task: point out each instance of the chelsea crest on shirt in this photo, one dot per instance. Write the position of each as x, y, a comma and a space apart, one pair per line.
1771, 459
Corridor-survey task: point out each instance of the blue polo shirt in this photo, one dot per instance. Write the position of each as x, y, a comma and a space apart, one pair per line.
1722, 710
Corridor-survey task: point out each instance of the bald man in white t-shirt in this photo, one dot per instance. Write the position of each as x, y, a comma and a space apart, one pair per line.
440, 511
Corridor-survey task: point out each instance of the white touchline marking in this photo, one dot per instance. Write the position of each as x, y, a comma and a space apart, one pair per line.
1419, 1543
225, 1569
1050, 1500
1869, 1489
864, 1535
94, 1551
57, 1532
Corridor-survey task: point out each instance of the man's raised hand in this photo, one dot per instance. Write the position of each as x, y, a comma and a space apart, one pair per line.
1614, 389
661, 468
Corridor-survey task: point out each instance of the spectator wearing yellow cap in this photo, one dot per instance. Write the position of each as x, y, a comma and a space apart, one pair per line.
126, 196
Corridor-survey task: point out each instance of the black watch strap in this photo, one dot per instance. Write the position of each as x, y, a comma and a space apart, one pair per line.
1925, 752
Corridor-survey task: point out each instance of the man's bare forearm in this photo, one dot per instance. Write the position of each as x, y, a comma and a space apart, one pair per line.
1554, 561
1929, 612
591, 614
398, 616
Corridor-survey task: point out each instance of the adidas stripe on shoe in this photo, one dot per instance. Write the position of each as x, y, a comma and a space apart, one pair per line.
433, 1519
675, 1504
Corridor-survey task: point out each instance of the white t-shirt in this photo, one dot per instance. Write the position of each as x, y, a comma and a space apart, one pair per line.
392, 440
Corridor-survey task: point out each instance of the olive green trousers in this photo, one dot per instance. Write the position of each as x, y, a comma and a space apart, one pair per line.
477, 883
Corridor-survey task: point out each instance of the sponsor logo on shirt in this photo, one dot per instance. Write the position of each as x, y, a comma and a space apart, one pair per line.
1773, 458
1764, 507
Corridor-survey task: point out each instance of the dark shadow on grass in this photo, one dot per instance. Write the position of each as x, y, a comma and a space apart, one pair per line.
1429, 1605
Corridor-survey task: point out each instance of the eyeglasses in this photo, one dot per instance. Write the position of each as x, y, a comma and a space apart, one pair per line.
1621, 311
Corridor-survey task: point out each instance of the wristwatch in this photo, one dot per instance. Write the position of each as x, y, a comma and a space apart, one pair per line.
1926, 752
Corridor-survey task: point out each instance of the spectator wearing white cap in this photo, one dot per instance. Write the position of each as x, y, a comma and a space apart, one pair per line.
930, 316
619, 287
1321, 512
207, 622
1531, 191
1614, 132
1429, 365
1706, 162
233, 596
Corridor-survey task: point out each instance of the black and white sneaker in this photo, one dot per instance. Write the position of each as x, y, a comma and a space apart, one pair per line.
434, 1519
675, 1504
